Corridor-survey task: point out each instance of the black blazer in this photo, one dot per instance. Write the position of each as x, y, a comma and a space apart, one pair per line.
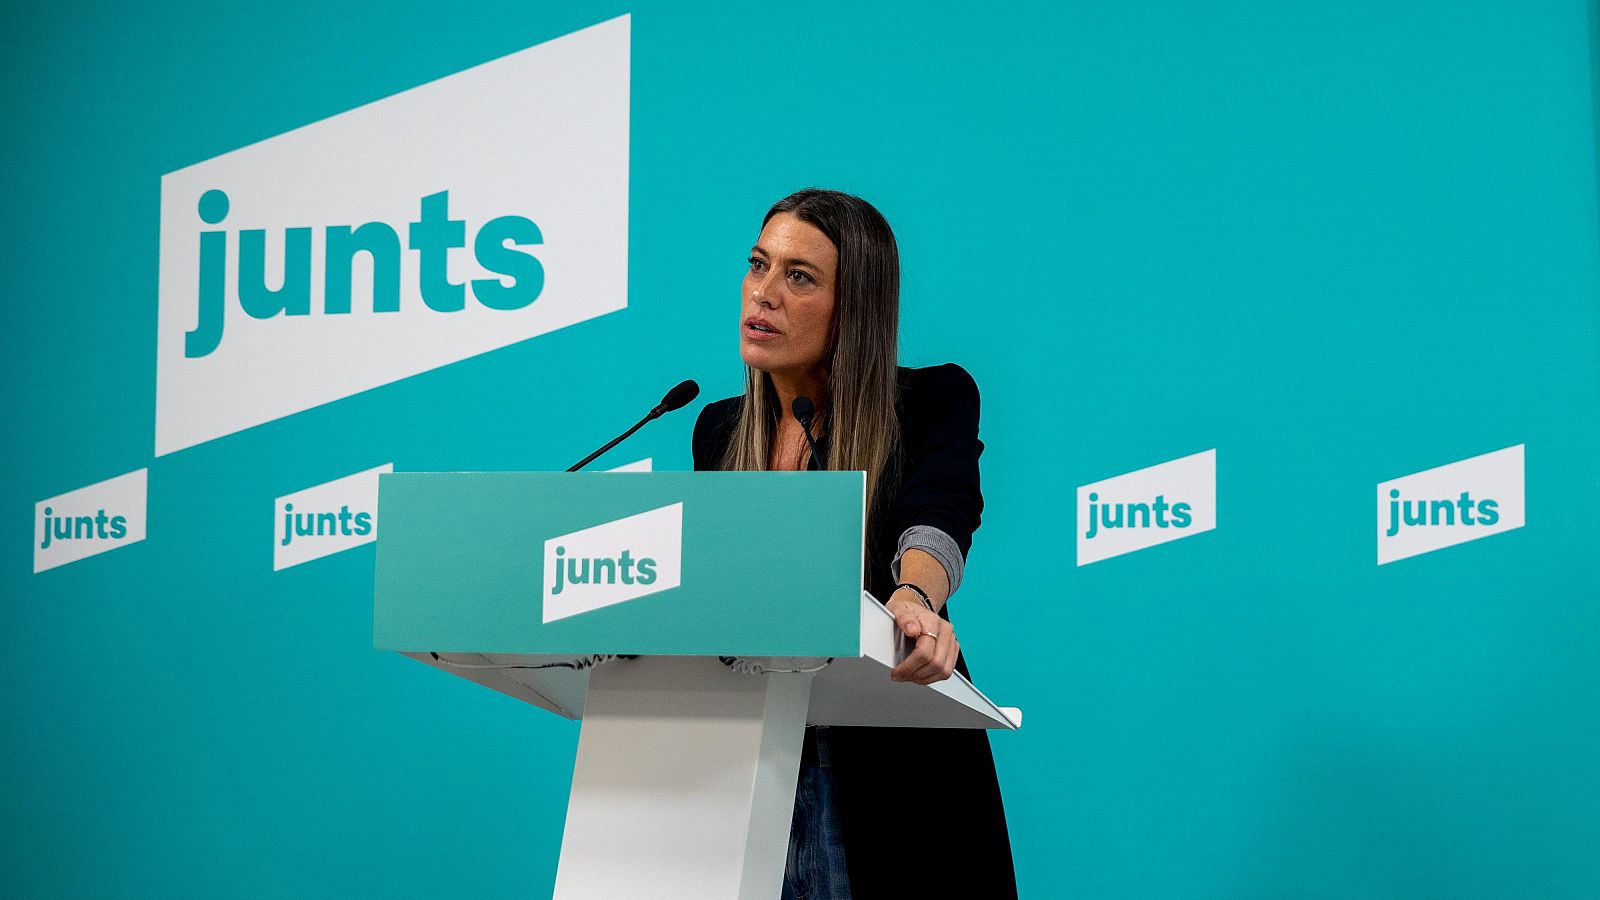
888, 781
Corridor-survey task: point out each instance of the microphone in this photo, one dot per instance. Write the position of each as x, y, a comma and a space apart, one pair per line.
677, 398
803, 410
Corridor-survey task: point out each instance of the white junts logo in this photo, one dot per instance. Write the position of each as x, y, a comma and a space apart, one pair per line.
455, 218
1451, 504
611, 563
90, 520
1146, 507
326, 518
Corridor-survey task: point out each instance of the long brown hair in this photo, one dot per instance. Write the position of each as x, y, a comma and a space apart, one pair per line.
864, 432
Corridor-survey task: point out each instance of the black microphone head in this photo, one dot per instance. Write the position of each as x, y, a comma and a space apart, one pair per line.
803, 408
680, 396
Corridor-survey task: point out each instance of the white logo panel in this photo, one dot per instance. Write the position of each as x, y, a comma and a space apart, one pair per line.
90, 520
498, 204
612, 563
1146, 507
1451, 504
326, 519
638, 465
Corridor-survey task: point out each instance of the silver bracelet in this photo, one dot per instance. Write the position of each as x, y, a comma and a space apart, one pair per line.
921, 594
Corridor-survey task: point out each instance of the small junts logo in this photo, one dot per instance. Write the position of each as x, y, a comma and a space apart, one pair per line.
90, 520
621, 560
1150, 506
1451, 504
455, 218
326, 518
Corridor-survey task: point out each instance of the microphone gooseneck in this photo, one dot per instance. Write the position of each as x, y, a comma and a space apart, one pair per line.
803, 410
677, 398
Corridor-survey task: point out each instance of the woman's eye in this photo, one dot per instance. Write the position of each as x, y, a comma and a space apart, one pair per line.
756, 264
800, 277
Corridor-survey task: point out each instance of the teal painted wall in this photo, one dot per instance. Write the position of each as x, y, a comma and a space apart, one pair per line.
1337, 242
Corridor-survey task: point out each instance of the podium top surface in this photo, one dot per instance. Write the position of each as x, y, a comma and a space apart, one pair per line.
677, 563
847, 690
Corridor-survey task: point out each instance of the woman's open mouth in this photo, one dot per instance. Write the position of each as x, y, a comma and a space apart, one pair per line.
759, 330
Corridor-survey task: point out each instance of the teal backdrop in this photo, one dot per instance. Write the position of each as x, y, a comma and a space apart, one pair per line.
1338, 242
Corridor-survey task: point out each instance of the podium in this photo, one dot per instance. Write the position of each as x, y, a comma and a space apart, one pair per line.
613, 598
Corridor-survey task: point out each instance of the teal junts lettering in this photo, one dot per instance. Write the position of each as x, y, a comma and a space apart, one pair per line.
1107, 516
1439, 512
77, 528
433, 235
593, 569
323, 524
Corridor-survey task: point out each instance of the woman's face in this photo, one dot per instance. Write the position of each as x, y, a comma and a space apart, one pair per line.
788, 303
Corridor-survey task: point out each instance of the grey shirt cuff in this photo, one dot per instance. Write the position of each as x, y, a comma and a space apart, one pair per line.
937, 544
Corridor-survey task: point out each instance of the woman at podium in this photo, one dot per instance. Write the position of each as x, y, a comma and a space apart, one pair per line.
878, 811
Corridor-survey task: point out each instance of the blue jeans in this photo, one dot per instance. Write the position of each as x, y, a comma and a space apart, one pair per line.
815, 869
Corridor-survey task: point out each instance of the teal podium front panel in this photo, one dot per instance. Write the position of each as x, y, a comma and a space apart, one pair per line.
618, 562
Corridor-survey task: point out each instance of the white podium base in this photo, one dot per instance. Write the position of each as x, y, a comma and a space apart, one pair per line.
685, 781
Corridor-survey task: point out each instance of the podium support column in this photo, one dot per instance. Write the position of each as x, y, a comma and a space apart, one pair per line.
684, 783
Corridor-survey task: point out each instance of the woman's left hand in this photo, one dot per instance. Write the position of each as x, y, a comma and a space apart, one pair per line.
933, 657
